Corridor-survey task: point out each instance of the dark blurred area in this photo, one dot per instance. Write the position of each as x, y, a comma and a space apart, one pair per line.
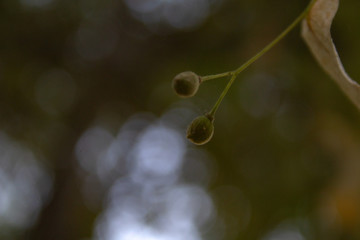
92, 137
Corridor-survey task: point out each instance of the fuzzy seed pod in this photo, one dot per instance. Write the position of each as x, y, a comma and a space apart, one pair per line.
186, 84
200, 130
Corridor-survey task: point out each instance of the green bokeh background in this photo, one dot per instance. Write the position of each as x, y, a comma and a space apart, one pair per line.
286, 138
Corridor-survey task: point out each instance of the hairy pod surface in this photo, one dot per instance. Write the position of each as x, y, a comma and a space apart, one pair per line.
200, 130
186, 84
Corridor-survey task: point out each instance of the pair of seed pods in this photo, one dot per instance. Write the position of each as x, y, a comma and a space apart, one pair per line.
201, 129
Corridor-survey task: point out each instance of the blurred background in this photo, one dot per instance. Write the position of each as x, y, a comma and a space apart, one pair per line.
92, 137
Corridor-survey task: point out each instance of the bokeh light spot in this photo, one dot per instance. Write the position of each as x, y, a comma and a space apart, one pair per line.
178, 14
55, 92
147, 197
24, 185
95, 42
159, 152
36, 3
285, 232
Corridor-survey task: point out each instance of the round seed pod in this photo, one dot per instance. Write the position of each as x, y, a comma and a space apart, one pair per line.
200, 130
186, 84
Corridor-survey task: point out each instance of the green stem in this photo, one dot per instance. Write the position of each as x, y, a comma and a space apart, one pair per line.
255, 57
211, 115
209, 77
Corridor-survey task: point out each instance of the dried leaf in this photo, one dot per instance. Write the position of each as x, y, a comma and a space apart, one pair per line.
316, 33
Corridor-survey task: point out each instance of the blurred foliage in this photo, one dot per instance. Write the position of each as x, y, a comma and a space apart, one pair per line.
284, 162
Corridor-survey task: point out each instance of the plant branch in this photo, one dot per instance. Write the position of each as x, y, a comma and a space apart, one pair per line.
254, 58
